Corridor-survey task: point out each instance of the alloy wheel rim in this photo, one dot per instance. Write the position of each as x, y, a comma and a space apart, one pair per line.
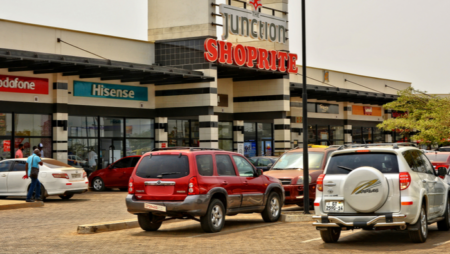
97, 184
274, 207
423, 221
216, 216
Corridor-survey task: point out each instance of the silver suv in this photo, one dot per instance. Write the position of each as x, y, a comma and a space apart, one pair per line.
386, 186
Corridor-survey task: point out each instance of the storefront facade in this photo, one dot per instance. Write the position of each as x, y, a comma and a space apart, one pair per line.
176, 90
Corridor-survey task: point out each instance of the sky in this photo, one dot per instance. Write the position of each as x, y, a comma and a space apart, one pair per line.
405, 40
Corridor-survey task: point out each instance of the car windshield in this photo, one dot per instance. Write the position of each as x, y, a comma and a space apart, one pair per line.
295, 161
163, 166
51, 163
345, 163
444, 149
437, 157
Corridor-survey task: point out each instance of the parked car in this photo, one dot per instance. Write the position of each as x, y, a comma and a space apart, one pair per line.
57, 179
288, 169
115, 175
439, 159
444, 149
388, 187
263, 162
198, 182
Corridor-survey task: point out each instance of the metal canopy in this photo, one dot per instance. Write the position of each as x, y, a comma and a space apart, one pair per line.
42, 63
340, 94
238, 73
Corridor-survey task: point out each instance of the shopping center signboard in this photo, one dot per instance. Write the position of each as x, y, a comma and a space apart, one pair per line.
110, 91
16, 84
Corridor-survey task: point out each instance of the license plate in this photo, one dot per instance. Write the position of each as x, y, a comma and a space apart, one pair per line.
155, 207
334, 206
76, 175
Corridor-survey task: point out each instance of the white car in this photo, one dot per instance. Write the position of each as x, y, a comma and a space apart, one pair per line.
57, 179
383, 187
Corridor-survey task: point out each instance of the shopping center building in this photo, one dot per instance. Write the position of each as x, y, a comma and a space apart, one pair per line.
77, 92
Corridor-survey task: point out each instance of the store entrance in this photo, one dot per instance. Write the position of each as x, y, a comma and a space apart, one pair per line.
266, 148
111, 149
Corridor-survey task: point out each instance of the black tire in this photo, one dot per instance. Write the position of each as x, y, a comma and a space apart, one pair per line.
444, 225
272, 211
66, 196
98, 184
123, 189
150, 222
331, 235
214, 220
420, 236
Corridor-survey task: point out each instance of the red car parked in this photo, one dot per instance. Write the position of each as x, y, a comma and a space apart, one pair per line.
439, 159
115, 175
185, 183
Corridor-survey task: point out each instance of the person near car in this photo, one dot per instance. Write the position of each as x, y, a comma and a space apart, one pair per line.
41, 149
92, 159
33, 161
19, 152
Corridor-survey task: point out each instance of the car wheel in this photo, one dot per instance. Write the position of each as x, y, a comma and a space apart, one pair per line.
420, 235
98, 184
123, 189
214, 220
66, 196
331, 235
444, 225
272, 212
150, 222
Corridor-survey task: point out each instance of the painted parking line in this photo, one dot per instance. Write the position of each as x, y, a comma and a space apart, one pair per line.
235, 230
442, 243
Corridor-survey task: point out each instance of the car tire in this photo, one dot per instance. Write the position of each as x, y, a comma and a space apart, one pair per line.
214, 220
66, 197
150, 222
331, 235
98, 184
420, 235
272, 211
123, 189
444, 225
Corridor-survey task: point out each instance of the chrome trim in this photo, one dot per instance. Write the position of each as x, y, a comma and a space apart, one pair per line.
159, 183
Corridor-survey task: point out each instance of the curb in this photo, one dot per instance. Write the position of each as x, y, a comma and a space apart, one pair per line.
107, 226
21, 205
296, 217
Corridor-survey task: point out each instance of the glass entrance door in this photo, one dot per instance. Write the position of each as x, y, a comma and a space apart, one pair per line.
111, 150
266, 148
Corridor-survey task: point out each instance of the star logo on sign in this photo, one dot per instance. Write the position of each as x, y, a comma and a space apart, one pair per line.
256, 4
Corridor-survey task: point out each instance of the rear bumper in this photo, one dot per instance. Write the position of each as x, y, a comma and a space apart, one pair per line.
294, 193
68, 187
377, 221
195, 205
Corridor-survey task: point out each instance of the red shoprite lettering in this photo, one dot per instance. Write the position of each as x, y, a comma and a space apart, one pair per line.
15, 84
225, 53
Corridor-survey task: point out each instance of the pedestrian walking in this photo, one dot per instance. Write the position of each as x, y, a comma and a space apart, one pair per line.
19, 152
32, 171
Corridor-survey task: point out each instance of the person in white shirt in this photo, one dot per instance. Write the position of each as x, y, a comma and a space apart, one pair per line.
92, 159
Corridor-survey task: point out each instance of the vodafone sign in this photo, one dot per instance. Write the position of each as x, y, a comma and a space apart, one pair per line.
240, 55
15, 84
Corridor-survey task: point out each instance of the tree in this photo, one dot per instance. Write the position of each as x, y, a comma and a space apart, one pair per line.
428, 115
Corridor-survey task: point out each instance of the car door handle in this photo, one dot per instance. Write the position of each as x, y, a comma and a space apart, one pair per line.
246, 182
330, 184
225, 183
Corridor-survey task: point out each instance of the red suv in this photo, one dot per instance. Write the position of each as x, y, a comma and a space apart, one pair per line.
185, 183
115, 175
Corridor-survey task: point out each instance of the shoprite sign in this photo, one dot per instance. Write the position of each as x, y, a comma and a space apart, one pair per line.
15, 84
110, 91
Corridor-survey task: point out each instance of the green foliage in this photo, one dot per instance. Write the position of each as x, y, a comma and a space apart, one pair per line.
428, 115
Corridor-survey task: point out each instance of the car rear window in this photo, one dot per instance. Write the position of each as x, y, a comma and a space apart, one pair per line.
163, 166
51, 163
344, 163
437, 157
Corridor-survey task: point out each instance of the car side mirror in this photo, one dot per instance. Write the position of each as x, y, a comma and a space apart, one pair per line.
442, 171
259, 172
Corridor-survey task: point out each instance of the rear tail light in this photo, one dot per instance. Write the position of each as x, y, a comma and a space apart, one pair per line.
66, 176
193, 186
131, 186
84, 175
320, 182
316, 204
404, 180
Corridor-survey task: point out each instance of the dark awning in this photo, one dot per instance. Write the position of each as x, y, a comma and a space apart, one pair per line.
241, 73
339, 94
42, 63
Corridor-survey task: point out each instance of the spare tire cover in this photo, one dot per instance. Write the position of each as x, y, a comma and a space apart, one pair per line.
365, 189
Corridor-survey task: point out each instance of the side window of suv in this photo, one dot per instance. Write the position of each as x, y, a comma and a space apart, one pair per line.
428, 166
244, 168
205, 165
410, 160
420, 165
224, 165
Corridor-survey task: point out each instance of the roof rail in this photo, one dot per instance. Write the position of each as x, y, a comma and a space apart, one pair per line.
394, 145
184, 148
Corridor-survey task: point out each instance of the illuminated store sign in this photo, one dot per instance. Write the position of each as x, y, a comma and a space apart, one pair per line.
15, 84
110, 91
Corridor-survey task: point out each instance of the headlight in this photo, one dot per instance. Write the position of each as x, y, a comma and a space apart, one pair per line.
300, 180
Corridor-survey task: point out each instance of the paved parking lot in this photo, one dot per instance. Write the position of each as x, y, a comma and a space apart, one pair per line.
52, 229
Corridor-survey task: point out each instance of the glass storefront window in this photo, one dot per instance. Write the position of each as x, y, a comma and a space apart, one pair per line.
195, 134
249, 131
5, 149
83, 126
378, 135
367, 135
225, 130
32, 125
356, 135
337, 132
139, 146
5, 124
141, 128
265, 147
28, 144
312, 134
82, 153
179, 133
226, 145
111, 127
111, 150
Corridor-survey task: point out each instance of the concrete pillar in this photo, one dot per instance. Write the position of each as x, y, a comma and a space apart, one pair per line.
209, 131
296, 135
282, 134
161, 132
348, 139
238, 134
59, 122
